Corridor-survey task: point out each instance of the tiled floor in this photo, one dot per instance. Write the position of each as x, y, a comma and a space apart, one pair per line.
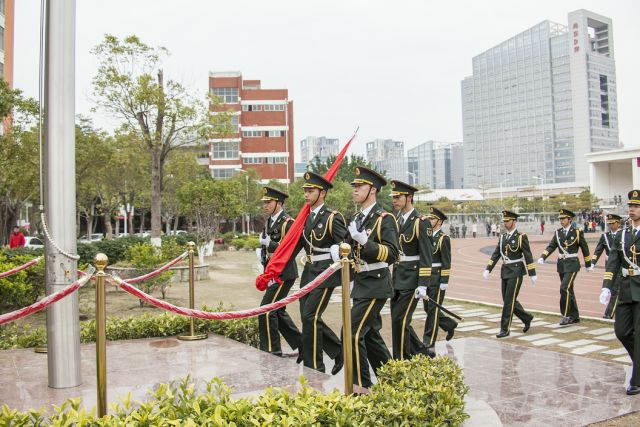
509, 384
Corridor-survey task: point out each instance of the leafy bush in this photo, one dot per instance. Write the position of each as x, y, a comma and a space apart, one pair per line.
23, 288
144, 326
404, 402
238, 243
252, 243
115, 249
147, 258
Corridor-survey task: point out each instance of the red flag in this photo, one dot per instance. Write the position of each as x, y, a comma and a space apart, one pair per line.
284, 251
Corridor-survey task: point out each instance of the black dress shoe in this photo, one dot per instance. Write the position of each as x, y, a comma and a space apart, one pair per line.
527, 326
338, 364
502, 334
450, 333
428, 351
633, 389
564, 321
572, 320
300, 357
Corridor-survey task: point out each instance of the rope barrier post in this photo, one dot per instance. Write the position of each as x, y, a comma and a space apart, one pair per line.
345, 250
101, 261
192, 329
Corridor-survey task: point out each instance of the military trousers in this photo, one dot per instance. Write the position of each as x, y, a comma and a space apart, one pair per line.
510, 303
316, 335
568, 303
368, 345
403, 304
277, 322
435, 318
627, 329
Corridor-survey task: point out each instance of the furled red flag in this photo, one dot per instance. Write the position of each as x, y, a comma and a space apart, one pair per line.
284, 251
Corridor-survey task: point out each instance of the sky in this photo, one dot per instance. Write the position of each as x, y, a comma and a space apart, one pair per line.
391, 67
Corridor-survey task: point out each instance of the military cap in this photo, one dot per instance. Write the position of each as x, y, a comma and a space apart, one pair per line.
369, 176
566, 213
437, 213
634, 197
313, 180
611, 218
399, 188
508, 215
270, 193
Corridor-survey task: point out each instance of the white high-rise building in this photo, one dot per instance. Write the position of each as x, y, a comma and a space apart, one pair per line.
437, 165
538, 102
387, 156
320, 147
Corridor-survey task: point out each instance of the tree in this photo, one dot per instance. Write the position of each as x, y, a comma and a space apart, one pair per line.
161, 115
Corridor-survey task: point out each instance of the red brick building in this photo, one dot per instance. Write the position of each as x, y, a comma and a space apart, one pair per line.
264, 140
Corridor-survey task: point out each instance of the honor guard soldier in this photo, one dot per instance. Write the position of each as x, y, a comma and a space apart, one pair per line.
413, 268
440, 272
375, 246
624, 260
323, 232
517, 261
604, 245
568, 240
277, 321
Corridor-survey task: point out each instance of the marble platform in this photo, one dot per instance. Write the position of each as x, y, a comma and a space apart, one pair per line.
509, 384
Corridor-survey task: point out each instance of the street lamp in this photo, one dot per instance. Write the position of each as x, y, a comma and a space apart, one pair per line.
541, 178
246, 215
501, 184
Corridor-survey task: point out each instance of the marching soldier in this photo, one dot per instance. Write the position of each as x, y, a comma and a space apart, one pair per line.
440, 272
517, 261
278, 224
624, 260
604, 245
375, 246
568, 240
324, 230
413, 268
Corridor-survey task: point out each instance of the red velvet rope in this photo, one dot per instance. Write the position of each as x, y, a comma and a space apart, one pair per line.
232, 314
160, 270
46, 301
20, 268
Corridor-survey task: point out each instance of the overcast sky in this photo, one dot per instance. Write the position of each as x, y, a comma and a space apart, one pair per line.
391, 67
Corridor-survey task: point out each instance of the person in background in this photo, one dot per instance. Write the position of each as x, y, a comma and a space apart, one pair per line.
474, 229
16, 240
464, 230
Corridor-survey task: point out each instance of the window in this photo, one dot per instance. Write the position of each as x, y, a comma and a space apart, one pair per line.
1, 38
2, 7
253, 160
252, 108
274, 107
276, 160
229, 95
222, 173
225, 150
275, 133
252, 133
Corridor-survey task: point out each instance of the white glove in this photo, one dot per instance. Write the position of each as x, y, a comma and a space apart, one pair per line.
605, 296
334, 250
534, 279
485, 274
271, 283
265, 240
540, 261
590, 268
593, 263
421, 292
259, 253
351, 286
444, 286
358, 236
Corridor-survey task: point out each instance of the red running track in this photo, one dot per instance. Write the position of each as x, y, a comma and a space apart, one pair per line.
468, 263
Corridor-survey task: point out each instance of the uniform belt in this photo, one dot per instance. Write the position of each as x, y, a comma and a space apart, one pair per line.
316, 258
513, 261
323, 250
630, 272
436, 265
364, 266
563, 256
404, 258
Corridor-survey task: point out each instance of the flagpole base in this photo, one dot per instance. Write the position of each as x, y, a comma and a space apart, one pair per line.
194, 337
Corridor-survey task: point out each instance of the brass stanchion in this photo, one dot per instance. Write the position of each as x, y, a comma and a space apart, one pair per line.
192, 329
101, 334
345, 249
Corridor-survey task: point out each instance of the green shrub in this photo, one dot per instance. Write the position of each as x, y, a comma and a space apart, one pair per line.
406, 402
238, 243
144, 326
22, 288
252, 243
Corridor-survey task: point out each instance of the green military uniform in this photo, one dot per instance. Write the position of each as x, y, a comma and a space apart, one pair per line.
517, 261
440, 272
568, 244
412, 269
277, 322
371, 281
604, 246
322, 230
624, 260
